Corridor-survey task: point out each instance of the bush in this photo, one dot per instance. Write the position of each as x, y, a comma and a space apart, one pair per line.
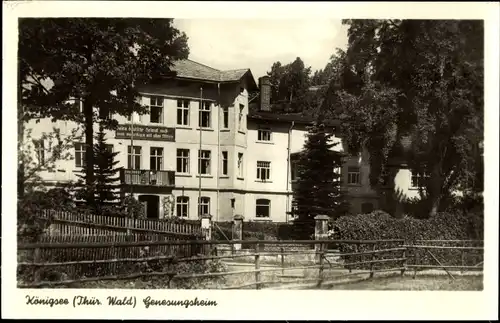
29, 225
379, 225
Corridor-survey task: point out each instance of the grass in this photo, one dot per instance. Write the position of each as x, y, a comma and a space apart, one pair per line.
334, 280
420, 283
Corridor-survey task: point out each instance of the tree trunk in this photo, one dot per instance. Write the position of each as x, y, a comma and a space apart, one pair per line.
89, 148
434, 190
434, 206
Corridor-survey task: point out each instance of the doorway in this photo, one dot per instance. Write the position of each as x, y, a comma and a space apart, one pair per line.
151, 204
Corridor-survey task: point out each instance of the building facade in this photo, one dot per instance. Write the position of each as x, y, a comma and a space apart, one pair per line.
199, 150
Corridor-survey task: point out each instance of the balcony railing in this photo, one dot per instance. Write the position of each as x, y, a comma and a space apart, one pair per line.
148, 177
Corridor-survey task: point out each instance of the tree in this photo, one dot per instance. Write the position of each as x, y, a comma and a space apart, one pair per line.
290, 83
39, 154
106, 180
100, 61
412, 90
324, 76
319, 180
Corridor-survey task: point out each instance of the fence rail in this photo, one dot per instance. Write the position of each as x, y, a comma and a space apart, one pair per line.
69, 223
114, 260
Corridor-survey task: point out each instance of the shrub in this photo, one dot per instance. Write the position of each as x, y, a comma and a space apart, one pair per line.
379, 225
29, 225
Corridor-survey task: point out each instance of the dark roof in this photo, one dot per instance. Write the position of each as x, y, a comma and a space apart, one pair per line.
187, 68
287, 117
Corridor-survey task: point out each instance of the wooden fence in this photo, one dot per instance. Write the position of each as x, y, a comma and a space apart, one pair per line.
117, 261
70, 223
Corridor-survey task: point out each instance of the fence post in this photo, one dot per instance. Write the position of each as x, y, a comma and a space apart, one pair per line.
463, 257
372, 259
37, 259
257, 266
206, 230
321, 264
206, 226
237, 230
404, 261
282, 251
320, 232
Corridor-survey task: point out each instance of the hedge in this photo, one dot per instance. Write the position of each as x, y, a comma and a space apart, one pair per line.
379, 225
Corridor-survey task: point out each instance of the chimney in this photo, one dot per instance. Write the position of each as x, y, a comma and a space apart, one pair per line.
265, 93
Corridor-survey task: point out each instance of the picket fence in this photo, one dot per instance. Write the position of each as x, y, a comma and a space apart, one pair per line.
71, 223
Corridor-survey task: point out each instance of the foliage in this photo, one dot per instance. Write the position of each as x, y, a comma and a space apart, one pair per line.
103, 189
319, 183
53, 147
379, 225
29, 225
290, 83
100, 61
129, 207
330, 71
412, 91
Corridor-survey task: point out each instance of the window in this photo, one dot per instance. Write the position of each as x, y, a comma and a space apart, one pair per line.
183, 112
156, 158
263, 170
130, 117
240, 165
77, 104
156, 109
204, 162
264, 134
204, 205
224, 163
134, 157
205, 111
263, 208
183, 161
418, 180
240, 118
182, 206
225, 117
353, 175
40, 151
79, 154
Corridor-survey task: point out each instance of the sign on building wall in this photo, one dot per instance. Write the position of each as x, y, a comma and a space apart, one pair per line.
142, 132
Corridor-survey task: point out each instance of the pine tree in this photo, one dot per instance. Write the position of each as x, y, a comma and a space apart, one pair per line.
319, 183
105, 172
103, 191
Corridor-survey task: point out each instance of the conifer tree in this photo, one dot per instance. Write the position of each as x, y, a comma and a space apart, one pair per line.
319, 180
102, 191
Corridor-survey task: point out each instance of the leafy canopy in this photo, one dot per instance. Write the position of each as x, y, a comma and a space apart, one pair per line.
412, 91
99, 60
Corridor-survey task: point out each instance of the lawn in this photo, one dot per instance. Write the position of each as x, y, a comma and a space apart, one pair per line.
408, 283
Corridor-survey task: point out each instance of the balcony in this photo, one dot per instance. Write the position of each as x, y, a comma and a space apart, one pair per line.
147, 177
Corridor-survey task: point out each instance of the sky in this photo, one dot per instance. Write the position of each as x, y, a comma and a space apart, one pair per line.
258, 43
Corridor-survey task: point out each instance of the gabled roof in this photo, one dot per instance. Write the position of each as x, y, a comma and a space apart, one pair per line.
189, 69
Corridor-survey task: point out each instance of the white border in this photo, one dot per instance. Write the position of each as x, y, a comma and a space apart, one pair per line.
306, 305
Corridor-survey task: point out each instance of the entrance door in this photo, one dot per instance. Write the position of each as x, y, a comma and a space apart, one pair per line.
152, 205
